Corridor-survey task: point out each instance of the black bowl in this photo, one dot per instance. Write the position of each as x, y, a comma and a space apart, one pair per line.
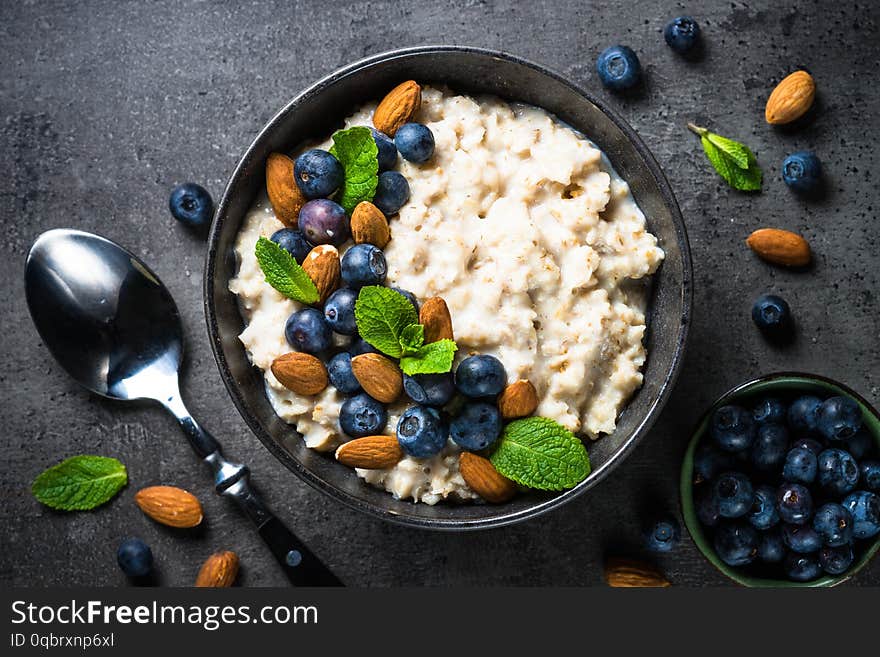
318, 111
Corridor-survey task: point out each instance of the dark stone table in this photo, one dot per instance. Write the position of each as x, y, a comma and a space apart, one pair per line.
107, 105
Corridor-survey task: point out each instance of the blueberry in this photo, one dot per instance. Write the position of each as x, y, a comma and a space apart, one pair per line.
387, 150
362, 415
771, 549
323, 222
292, 241
317, 173
480, 376
763, 513
802, 414
191, 205
618, 68
341, 376
409, 295
802, 539
839, 418
794, 503
769, 411
421, 432
801, 567
339, 311
307, 331
709, 461
836, 560
808, 443
865, 509
392, 192
134, 557
429, 389
476, 426
734, 494
800, 465
662, 534
363, 264
838, 471
682, 34
360, 346
860, 444
415, 142
736, 543
869, 471
733, 428
770, 446
707, 509
802, 172
834, 524
772, 315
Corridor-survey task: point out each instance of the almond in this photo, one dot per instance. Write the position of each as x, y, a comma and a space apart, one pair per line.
484, 479
170, 505
519, 399
322, 266
369, 225
371, 452
790, 99
284, 194
397, 107
781, 247
220, 570
630, 573
436, 319
379, 377
303, 373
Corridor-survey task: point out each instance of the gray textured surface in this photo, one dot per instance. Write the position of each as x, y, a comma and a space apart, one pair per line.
107, 105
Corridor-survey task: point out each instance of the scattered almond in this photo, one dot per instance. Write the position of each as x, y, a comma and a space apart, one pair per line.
436, 319
284, 194
170, 505
220, 570
397, 107
322, 266
519, 399
791, 98
780, 247
302, 373
380, 377
630, 573
484, 479
371, 452
369, 225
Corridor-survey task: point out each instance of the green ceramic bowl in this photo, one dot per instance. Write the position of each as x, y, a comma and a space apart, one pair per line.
785, 384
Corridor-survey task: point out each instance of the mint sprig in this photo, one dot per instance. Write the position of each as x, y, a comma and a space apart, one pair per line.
540, 453
387, 320
733, 161
284, 273
80, 483
358, 154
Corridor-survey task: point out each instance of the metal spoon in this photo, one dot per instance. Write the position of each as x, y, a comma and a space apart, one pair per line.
113, 326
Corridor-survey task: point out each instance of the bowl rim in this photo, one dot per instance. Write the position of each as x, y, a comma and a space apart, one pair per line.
353, 501
688, 512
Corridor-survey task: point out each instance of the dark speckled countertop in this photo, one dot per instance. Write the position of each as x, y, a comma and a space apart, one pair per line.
107, 105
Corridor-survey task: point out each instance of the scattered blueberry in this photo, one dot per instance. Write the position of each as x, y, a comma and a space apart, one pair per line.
362, 415
134, 557
808, 443
736, 543
387, 150
618, 68
763, 513
801, 567
662, 534
307, 331
839, 418
341, 375
733, 494
802, 414
802, 539
834, 524
869, 471
836, 560
324, 222
794, 503
838, 471
771, 549
415, 142
772, 315
317, 173
709, 461
682, 34
363, 264
865, 509
192, 205
292, 241
339, 311
409, 295
802, 171
733, 428
860, 444
480, 376
360, 346
800, 466
476, 426
429, 389
392, 192
769, 410
421, 432
770, 447
707, 508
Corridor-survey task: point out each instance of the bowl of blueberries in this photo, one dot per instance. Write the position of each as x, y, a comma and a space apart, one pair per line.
780, 484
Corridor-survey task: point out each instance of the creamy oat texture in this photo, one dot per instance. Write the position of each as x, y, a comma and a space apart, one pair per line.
536, 246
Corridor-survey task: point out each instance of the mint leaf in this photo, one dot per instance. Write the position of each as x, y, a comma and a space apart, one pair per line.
736, 151
412, 338
382, 315
283, 272
80, 483
358, 154
733, 161
540, 453
432, 358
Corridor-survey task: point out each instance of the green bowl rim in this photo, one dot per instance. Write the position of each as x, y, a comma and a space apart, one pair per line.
686, 486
